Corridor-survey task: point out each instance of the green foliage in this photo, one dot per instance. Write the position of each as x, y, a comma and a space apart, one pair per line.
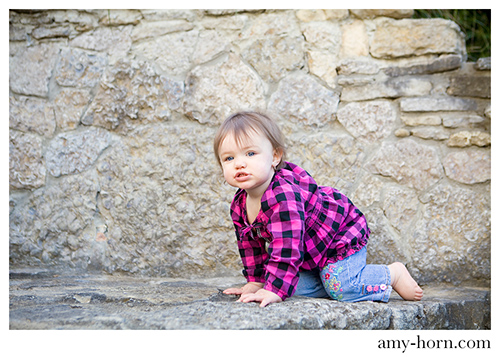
475, 24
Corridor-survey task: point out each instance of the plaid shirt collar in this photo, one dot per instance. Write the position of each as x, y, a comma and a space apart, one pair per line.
238, 206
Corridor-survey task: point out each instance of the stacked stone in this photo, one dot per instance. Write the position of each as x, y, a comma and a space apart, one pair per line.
112, 115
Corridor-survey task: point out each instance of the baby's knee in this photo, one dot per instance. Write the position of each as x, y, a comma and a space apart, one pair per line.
334, 282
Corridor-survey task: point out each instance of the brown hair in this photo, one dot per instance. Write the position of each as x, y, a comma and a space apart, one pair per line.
239, 125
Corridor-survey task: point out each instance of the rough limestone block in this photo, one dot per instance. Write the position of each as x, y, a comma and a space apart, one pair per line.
355, 66
462, 120
18, 32
236, 22
416, 37
435, 104
355, 41
283, 23
322, 65
119, 17
409, 163
132, 93
430, 133
467, 138
401, 207
487, 111
391, 88
115, 41
451, 242
479, 138
26, 163
274, 57
78, 68
214, 91
323, 35
321, 15
150, 30
402, 133
169, 14
368, 191
368, 121
385, 245
69, 106
372, 13
470, 86
468, 166
302, 100
44, 32
442, 63
333, 160
54, 226
30, 69
172, 52
31, 114
74, 152
212, 44
421, 119
483, 64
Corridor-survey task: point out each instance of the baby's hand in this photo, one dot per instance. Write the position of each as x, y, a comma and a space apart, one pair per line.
265, 297
247, 289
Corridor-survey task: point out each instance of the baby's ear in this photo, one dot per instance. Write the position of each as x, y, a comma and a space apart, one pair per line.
277, 156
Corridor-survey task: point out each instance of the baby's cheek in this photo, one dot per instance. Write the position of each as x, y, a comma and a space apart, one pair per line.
228, 177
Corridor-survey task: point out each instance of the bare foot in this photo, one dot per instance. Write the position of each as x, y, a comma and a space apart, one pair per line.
404, 284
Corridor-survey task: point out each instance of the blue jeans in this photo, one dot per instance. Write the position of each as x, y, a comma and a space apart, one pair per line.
350, 279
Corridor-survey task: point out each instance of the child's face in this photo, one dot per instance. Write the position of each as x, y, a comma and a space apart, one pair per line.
250, 164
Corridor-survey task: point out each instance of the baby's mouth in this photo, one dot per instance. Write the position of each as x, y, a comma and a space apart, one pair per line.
240, 175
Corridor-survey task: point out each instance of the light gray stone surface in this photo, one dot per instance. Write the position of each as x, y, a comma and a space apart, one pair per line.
30, 68
368, 121
273, 58
26, 165
454, 221
435, 104
408, 162
214, 91
401, 38
392, 88
471, 166
75, 152
42, 300
304, 101
79, 68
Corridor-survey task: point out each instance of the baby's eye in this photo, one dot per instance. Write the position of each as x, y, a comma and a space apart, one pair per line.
229, 158
251, 153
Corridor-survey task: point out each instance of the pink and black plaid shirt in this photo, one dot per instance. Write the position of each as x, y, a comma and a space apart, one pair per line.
306, 226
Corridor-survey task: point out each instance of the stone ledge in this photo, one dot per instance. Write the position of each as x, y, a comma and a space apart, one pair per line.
43, 300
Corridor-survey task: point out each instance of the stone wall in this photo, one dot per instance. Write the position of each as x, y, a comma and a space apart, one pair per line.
112, 115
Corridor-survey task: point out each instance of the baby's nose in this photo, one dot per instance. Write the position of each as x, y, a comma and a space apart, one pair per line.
240, 163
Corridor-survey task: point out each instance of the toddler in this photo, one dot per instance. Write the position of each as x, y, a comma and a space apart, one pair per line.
316, 237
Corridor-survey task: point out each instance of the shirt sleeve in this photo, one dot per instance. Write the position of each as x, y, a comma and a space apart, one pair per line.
286, 252
253, 256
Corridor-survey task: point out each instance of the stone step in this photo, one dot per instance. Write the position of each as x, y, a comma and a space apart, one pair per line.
40, 300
